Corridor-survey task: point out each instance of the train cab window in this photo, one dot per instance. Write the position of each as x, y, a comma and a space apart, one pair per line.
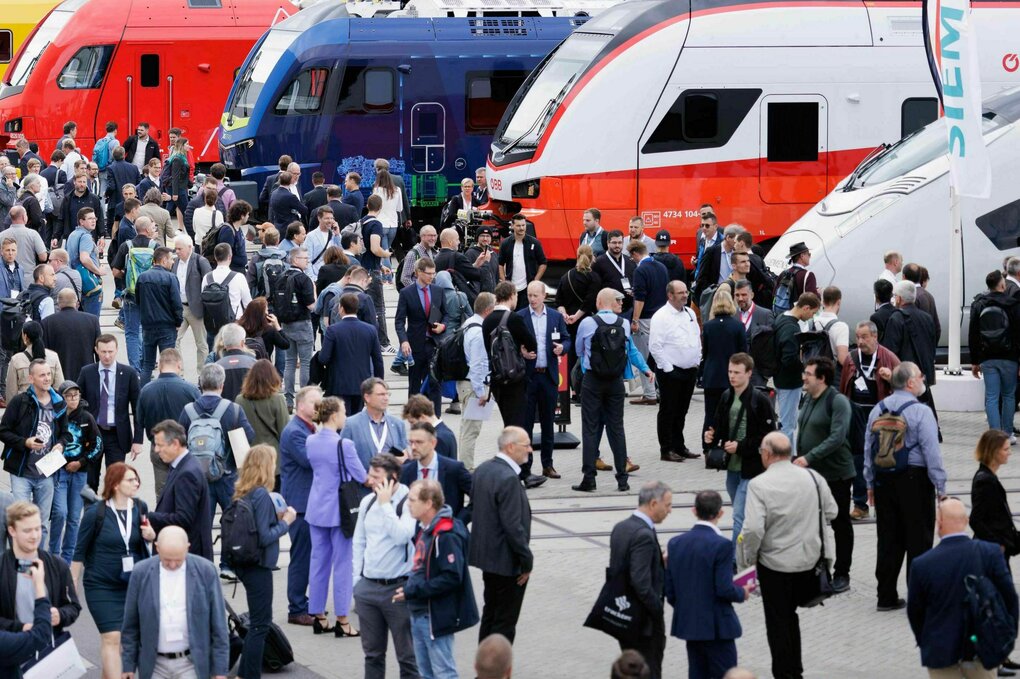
86, 69
916, 113
149, 70
367, 90
701, 119
488, 95
6, 47
793, 132
1002, 225
304, 94
205, 4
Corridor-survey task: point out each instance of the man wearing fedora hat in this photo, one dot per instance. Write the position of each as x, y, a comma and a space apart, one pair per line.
803, 280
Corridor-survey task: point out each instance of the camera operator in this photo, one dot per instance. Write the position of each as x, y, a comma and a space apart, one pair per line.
19, 647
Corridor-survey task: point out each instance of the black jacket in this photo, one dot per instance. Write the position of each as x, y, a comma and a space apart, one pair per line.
131, 145
19, 423
673, 265
577, 292
708, 272
284, 208
610, 276
990, 516
125, 399
881, 317
315, 198
1011, 306
501, 515
343, 213
72, 203
534, 256
159, 299
163, 399
59, 584
184, 502
85, 440
72, 334
633, 548
760, 418
516, 325
722, 337
910, 334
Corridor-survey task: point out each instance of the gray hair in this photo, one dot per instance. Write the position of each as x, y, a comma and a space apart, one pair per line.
507, 436
298, 249
1013, 266
145, 224
871, 327
184, 240
294, 168
906, 291
26, 183
733, 230
231, 336
653, 490
212, 377
153, 195
903, 373
778, 444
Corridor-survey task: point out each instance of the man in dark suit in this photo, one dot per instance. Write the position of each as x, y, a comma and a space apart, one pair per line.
271, 183
883, 306
634, 549
420, 319
754, 317
72, 334
284, 205
923, 298
502, 530
351, 350
316, 198
911, 334
111, 390
451, 474
549, 330
936, 600
616, 270
119, 173
184, 501
701, 592
141, 136
343, 213
716, 266
26, 154
195, 269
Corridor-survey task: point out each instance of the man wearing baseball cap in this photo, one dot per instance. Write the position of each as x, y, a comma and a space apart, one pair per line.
662, 255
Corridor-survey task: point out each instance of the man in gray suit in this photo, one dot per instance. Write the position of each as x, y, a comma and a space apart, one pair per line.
501, 533
174, 620
754, 318
190, 268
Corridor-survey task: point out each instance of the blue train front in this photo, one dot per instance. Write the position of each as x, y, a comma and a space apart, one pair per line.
335, 92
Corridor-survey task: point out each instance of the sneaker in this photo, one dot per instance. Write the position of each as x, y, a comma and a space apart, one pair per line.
860, 513
227, 574
389, 350
1012, 439
840, 584
119, 323
400, 369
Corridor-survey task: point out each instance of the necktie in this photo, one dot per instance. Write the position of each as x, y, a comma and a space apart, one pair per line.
428, 302
104, 399
425, 473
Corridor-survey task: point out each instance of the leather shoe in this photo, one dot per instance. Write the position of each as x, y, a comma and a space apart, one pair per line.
602, 466
623, 487
688, 454
1003, 672
534, 481
550, 472
400, 369
895, 606
584, 487
670, 456
631, 467
1010, 665
840, 584
644, 401
302, 619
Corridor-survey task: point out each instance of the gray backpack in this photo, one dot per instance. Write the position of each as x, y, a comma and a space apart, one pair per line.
207, 440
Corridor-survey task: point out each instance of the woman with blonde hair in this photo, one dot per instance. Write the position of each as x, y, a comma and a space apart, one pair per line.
575, 299
721, 336
254, 483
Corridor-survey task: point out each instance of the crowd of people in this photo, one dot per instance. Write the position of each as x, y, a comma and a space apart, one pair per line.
288, 427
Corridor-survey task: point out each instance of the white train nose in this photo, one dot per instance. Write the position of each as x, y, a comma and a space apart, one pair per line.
777, 257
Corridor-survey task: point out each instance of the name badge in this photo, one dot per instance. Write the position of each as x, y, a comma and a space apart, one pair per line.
860, 384
625, 282
555, 335
127, 564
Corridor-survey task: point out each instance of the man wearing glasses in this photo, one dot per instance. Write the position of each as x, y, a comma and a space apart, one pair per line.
903, 494
716, 264
420, 321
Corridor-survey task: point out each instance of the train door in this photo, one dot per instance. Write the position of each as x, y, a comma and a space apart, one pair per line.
150, 89
428, 137
793, 153
367, 120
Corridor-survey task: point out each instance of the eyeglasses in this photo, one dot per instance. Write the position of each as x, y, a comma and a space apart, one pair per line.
131, 479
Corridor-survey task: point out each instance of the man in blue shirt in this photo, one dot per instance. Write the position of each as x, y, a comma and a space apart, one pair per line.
650, 280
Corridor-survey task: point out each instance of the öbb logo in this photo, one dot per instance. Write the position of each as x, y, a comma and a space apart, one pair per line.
1010, 62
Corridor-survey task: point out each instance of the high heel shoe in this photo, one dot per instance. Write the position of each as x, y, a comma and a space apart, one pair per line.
321, 625
339, 631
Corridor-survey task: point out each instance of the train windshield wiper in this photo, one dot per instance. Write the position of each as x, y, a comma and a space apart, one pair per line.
868, 161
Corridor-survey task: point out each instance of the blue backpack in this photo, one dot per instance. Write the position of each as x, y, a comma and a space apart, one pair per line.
101, 153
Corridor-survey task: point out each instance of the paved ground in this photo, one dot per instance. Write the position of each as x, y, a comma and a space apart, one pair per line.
845, 639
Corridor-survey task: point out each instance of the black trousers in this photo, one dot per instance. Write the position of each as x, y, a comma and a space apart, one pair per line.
353, 403
652, 647
522, 299
541, 397
675, 391
511, 399
501, 605
416, 375
602, 405
780, 593
905, 509
112, 453
842, 527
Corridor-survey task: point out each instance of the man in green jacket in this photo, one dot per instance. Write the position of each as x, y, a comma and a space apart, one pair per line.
823, 428
788, 378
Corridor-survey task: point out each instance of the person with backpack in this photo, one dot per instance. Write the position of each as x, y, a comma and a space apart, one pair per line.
787, 378
344, 348
161, 310
205, 213
258, 526
795, 280
475, 385
466, 273
994, 341
209, 421
113, 530
838, 332
133, 259
234, 234
224, 294
421, 318
293, 300
190, 269
234, 356
102, 153
603, 349
507, 344
266, 265
904, 473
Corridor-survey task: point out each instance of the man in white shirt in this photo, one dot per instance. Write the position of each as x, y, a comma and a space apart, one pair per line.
893, 265
828, 321
295, 179
191, 270
674, 341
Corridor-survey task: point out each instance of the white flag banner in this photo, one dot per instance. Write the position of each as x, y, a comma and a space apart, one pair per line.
956, 54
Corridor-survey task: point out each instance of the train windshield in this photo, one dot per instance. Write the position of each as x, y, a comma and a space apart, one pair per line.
912, 152
548, 88
257, 74
18, 74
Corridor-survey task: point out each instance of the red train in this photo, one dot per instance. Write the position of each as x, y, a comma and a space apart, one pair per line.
170, 63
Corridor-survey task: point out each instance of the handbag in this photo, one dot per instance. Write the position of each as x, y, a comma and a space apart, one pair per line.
59, 661
821, 570
617, 611
351, 494
717, 458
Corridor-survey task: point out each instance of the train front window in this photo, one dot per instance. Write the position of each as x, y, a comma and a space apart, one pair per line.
6, 46
17, 75
256, 75
536, 105
304, 94
86, 69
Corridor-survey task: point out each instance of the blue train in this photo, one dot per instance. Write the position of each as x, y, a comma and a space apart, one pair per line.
336, 91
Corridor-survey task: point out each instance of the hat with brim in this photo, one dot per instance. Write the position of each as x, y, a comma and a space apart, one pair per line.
797, 249
66, 386
662, 238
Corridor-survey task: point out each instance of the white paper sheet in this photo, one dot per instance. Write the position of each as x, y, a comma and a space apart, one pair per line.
473, 411
239, 444
51, 463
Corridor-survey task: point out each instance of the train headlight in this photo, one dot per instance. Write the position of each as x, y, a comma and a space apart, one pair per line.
528, 189
865, 212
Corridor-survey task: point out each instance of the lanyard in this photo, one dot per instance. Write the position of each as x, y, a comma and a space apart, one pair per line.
125, 529
621, 268
871, 368
745, 316
379, 441
589, 238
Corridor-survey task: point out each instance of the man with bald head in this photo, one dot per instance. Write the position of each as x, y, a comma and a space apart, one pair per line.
467, 273
425, 247
495, 658
936, 598
65, 276
71, 333
174, 624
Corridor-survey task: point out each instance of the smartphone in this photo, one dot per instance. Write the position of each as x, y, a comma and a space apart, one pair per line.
396, 451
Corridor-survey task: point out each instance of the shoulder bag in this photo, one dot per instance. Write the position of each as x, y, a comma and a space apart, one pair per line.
717, 458
821, 570
351, 495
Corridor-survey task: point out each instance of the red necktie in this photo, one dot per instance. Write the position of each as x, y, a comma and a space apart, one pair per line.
428, 303
425, 473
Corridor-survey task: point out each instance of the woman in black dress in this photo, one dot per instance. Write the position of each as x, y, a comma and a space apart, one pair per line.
575, 299
721, 337
262, 329
113, 537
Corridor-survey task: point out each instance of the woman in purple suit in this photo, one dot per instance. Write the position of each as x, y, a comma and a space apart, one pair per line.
331, 550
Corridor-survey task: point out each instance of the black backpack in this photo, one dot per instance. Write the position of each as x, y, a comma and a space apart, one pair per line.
210, 240
815, 343
13, 315
284, 297
257, 346
216, 308
240, 535
993, 326
505, 362
277, 653
608, 358
988, 626
448, 360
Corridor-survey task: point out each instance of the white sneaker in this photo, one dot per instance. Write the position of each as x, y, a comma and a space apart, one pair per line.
389, 351
1012, 440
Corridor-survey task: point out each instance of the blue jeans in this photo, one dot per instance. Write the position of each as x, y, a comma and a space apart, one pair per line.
788, 401
1000, 393
221, 494
93, 304
258, 590
154, 341
736, 488
434, 656
40, 493
133, 333
302, 344
66, 513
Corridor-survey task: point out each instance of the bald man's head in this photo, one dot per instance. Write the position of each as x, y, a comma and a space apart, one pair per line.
494, 658
739, 673
172, 544
67, 299
449, 238
606, 297
952, 517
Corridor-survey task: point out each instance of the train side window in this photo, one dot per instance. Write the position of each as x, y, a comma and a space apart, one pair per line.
6, 46
205, 4
701, 119
916, 113
793, 132
488, 95
1002, 226
304, 94
86, 69
367, 90
149, 70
